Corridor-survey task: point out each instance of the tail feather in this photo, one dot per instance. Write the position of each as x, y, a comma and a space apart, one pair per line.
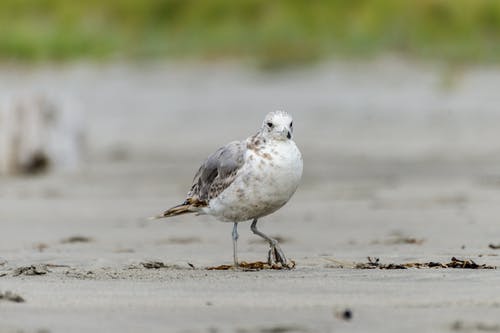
186, 207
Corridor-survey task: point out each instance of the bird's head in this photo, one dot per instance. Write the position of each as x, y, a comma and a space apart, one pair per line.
278, 125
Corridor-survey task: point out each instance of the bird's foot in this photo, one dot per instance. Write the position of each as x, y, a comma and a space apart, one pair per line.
276, 258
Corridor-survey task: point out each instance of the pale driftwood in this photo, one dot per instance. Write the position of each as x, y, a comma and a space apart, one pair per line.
39, 134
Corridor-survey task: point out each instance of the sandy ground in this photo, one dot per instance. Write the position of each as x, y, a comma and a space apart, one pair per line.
401, 163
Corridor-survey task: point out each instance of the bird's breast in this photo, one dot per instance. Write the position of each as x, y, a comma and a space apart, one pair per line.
277, 167
268, 179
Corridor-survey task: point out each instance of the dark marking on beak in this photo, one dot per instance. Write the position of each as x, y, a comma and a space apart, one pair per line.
288, 135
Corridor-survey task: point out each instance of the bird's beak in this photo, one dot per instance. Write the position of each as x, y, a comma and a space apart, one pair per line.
285, 132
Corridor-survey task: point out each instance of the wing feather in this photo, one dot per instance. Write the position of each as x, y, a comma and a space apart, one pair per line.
217, 172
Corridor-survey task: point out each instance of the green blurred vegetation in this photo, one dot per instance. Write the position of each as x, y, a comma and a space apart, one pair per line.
274, 33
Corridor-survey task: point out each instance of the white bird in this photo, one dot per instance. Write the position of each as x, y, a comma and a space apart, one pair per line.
247, 180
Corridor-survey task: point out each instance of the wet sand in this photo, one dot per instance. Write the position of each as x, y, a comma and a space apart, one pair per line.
401, 164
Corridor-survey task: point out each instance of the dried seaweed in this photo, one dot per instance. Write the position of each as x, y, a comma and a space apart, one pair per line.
10, 296
430, 264
220, 268
31, 270
153, 264
374, 263
253, 266
494, 246
467, 263
76, 239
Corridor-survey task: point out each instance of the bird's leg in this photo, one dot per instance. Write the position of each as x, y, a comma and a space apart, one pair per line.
235, 241
275, 254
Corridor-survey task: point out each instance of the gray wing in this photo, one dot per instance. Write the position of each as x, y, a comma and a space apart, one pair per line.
217, 172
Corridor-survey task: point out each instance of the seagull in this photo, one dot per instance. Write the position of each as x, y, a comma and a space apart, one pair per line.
247, 180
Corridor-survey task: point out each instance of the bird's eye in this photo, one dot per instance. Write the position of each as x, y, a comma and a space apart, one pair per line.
291, 124
270, 125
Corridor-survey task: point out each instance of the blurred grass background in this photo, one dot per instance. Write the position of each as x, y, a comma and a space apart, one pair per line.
273, 33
